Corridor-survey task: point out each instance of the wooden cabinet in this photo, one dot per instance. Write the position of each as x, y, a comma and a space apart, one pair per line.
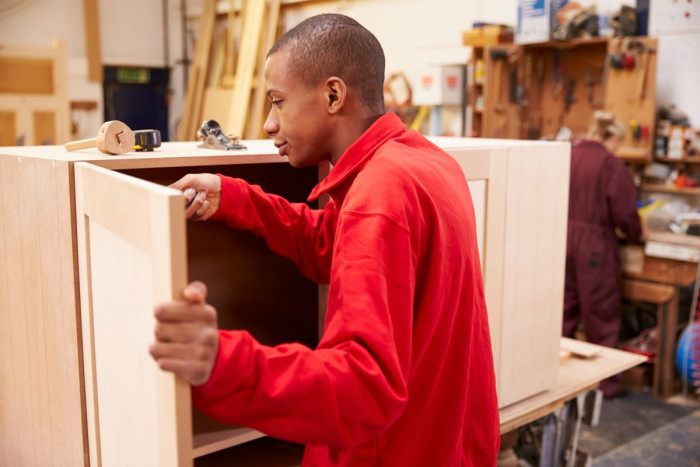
521, 192
91, 242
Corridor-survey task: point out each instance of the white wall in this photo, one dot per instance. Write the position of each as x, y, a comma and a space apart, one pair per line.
414, 33
131, 33
418, 33
677, 25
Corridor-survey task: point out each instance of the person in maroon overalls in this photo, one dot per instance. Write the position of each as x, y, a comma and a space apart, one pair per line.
602, 200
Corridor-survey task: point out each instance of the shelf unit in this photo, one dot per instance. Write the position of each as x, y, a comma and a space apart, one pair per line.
682, 160
530, 91
692, 163
661, 188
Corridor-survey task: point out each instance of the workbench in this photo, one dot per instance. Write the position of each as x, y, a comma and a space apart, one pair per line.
669, 260
576, 377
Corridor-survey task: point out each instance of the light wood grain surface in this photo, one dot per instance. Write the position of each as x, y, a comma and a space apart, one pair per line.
575, 376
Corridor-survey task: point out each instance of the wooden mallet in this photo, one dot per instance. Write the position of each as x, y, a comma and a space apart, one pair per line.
113, 137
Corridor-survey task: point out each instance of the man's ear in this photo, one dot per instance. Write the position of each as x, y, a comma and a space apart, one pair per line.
336, 93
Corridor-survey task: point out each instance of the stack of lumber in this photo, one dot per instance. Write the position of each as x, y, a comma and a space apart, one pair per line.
227, 68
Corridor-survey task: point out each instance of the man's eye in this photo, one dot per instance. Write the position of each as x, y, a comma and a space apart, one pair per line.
276, 102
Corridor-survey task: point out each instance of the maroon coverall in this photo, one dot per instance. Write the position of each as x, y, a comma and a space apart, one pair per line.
602, 196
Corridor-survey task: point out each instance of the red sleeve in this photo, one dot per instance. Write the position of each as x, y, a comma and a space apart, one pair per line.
622, 201
292, 230
353, 386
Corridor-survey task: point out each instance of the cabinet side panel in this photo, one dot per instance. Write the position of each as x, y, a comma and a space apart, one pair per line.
35, 332
534, 270
16, 432
40, 392
60, 339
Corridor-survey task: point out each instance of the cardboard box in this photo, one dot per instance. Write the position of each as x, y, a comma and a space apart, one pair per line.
536, 20
439, 85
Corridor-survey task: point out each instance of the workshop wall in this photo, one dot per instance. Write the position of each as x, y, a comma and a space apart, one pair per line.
677, 25
132, 32
414, 33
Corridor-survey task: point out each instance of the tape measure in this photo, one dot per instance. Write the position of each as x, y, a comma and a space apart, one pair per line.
146, 140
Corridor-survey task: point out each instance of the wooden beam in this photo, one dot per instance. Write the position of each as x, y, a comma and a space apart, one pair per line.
269, 36
198, 74
247, 56
93, 47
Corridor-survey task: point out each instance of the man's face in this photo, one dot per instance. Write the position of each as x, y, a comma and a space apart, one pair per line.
298, 120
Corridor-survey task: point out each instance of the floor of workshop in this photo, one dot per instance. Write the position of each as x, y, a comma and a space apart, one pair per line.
634, 430
638, 430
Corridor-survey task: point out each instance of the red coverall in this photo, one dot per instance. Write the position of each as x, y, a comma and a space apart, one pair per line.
602, 196
403, 375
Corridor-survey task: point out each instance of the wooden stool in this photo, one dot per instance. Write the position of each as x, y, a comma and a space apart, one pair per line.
664, 297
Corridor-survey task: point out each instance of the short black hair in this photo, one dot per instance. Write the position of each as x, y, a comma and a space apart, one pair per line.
336, 45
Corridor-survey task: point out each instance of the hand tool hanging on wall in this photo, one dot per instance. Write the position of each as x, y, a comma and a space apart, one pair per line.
569, 97
643, 71
594, 76
557, 74
113, 137
498, 56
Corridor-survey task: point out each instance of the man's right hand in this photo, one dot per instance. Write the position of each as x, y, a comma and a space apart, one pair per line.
202, 194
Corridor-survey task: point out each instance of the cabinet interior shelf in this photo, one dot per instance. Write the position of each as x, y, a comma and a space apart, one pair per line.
206, 443
686, 160
670, 189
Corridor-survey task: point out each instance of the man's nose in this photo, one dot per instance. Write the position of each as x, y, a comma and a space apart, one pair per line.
271, 126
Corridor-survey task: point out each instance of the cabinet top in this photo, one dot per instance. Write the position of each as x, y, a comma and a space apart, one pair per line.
174, 154
166, 151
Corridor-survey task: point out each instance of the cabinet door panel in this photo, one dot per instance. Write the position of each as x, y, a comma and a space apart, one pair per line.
132, 255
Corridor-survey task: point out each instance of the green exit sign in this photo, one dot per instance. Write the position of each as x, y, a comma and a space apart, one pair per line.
133, 75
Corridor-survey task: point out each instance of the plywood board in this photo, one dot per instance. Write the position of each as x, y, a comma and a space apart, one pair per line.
575, 376
579, 348
533, 269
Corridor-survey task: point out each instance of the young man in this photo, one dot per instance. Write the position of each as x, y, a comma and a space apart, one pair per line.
403, 374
